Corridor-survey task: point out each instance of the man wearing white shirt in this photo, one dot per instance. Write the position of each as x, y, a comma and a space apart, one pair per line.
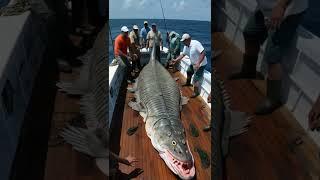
198, 59
276, 21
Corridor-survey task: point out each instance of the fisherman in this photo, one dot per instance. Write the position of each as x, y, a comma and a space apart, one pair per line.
156, 36
208, 127
143, 34
135, 46
196, 53
174, 48
121, 45
277, 21
314, 116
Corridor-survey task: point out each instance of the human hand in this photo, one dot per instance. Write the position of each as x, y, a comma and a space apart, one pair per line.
129, 160
135, 56
197, 66
276, 17
314, 116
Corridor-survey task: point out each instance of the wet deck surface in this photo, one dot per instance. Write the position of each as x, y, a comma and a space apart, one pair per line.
139, 144
64, 163
267, 150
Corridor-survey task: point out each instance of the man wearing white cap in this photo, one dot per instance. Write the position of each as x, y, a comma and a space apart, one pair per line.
143, 34
198, 59
135, 46
155, 36
121, 45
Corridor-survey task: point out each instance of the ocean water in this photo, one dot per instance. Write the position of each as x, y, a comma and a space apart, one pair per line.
199, 30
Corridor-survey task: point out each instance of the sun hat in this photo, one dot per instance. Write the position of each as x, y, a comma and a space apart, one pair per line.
124, 29
185, 36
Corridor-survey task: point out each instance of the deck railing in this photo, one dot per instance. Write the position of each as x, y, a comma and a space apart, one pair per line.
301, 64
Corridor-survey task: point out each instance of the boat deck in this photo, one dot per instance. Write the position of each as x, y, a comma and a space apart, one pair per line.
63, 162
196, 112
269, 150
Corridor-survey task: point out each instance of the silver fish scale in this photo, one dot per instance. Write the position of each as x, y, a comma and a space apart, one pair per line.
160, 95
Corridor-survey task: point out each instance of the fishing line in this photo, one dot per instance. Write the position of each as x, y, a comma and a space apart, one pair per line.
165, 24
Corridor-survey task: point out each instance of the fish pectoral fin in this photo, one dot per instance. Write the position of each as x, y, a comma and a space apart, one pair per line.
144, 115
135, 106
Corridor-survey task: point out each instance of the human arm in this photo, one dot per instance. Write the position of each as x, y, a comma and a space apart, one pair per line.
160, 40
168, 39
129, 160
314, 115
202, 52
177, 47
148, 37
201, 58
174, 61
278, 13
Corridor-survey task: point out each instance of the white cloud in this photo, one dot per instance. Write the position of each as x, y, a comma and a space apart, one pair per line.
127, 4
180, 6
142, 3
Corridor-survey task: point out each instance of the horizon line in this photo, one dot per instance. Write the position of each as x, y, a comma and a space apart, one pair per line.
161, 19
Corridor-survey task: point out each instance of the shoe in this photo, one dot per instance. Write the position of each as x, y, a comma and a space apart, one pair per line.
273, 99
248, 68
207, 128
194, 95
188, 82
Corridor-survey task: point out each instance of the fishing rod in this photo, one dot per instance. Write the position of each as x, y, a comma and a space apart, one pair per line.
165, 24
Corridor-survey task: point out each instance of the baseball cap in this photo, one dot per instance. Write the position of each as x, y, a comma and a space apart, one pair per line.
185, 36
153, 24
145, 22
135, 27
124, 29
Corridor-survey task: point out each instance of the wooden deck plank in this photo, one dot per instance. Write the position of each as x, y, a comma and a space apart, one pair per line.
264, 152
139, 144
63, 162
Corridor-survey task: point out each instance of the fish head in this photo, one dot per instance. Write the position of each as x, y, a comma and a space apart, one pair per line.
176, 154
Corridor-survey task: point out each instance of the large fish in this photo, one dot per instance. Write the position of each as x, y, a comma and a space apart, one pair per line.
159, 101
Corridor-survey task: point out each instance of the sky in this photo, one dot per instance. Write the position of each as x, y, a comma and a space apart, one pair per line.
151, 9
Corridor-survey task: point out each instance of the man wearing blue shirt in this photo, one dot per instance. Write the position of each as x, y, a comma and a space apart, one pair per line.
143, 34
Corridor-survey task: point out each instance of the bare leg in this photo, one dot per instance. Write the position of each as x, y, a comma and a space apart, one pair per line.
275, 71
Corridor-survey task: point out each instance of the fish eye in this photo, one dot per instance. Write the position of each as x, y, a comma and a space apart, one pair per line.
174, 143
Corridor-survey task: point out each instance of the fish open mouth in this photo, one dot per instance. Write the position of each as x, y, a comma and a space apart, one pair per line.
184, 169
